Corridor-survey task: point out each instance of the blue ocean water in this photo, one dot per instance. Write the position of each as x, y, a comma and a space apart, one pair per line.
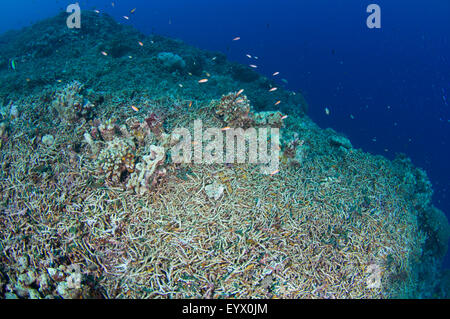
387, 89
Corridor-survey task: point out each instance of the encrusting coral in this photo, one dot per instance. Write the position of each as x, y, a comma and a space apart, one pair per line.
67, 282
70, 104
128, 155
117, 159
149, 171
107, 130
235, 110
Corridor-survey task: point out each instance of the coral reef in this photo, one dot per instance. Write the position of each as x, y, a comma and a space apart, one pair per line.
65, 282
154, 123
320, 227
70, 104
269, 118
234, 109
295, 150
117, 159
171, 61
214, 190
148, 172
107, 130
13, 111
48, 140
3, 130
130, 156
340, 141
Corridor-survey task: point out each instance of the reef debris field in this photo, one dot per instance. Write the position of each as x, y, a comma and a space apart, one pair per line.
92, 204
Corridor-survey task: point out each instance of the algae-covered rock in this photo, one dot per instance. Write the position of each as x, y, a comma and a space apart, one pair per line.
171, 61
48, 140
438, 230
214, 190
338, 140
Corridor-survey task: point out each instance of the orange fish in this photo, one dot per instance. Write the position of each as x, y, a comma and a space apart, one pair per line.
203, 81
104, 53
272, 89
275, 172
277, 102
226, 128
284, 117
135, 108
141, 44
240, 91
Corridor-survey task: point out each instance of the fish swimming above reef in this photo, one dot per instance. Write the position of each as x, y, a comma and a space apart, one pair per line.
178, 173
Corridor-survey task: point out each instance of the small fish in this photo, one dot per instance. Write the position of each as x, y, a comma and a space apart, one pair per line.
203, 81
190, 103
130, 56
256, 57
237, 38
214, 58
239, 92
239, 100
126, 17
277, 102
207, 74
135, 108
132, 10
96, 11
253, 66
226, 128
284, 117
13, 65
275, 172
248, 56
327, 111
273, 89
113, 4
180, 85
141, 44
104, 53
276, 73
